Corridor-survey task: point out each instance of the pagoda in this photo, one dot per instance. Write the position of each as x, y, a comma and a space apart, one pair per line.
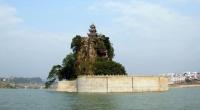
93, 31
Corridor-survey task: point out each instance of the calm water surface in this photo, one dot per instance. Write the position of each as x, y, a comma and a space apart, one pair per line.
174, 99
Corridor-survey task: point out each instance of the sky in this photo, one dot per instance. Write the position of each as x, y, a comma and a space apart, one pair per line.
149, 36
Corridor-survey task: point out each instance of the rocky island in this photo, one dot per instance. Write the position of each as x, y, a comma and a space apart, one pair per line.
90, 68
92, 55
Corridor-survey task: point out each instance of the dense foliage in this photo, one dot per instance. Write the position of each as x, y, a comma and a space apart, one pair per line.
76, 43
68, 67
108, 68
53, 74
66, 71
108, 46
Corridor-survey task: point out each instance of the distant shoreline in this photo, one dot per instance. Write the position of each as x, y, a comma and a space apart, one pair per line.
184, 85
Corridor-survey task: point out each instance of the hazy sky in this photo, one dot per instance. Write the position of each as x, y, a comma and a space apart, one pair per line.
149, 36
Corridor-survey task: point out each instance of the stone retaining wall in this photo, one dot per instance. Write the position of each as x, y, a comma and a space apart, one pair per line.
68, 86
115, 84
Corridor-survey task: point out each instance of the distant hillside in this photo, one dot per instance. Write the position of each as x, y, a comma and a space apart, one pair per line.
5, 85
21, 82
37, 80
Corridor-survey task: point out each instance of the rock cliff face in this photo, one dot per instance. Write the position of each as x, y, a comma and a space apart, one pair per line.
91, 49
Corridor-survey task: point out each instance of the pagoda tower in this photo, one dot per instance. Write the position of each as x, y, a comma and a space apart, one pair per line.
93, 31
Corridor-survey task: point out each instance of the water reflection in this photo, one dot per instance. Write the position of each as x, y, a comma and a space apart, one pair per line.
174, 99
88, 101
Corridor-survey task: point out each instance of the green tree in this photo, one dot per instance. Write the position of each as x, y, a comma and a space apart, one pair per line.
76, 43
66, 71
108, 68
53, 75
108, 46
69, 67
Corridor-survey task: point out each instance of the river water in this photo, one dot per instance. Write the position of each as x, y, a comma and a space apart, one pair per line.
174, 99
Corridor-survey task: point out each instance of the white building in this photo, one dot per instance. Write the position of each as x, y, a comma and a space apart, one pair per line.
175, 78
